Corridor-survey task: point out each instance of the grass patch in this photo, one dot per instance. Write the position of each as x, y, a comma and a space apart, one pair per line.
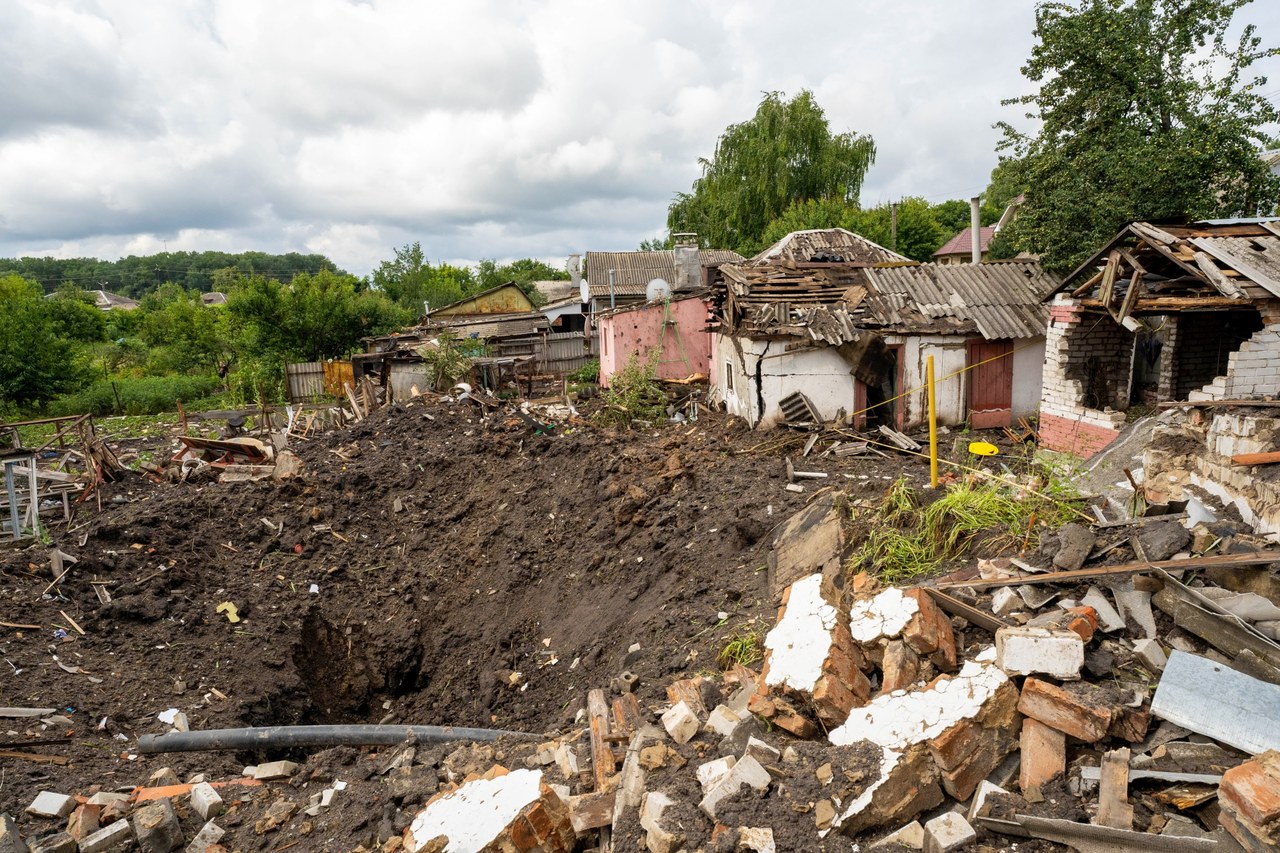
744, 646
145, 395
909, 538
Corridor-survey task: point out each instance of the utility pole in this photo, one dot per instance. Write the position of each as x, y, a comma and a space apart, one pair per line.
893, 225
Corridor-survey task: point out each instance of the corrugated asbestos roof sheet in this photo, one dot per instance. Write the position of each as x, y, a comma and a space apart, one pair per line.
1002, 300
633, 270
495, 325
997, 300
802, 247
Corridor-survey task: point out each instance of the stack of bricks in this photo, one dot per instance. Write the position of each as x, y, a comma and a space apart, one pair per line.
1071, 344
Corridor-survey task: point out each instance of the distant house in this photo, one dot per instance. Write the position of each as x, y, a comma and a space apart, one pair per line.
841, 327
504, 299
615, 279
105, 300
959, 249
213, 298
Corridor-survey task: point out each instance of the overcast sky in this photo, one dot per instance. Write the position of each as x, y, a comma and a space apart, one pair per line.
482, 129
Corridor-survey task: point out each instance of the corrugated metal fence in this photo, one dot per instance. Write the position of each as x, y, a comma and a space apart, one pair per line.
564, 352
309, 380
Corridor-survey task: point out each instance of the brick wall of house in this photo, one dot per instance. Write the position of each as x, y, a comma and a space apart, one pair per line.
1206, 343
1088, 359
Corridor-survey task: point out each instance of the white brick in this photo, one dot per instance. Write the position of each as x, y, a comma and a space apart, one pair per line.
1024, 651
117, 836
680, 722
51, 804
947, 832
206, 801
745, 772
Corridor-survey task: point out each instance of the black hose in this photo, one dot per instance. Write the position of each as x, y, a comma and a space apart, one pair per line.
273, 737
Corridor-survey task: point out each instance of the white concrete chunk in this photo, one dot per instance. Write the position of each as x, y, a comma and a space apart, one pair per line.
208, 835
885, 615
1025, 651
947, 832
978, 806
801, 641
205, 801
680, 722
713, 771
1135, 604
762, 752
114, 837
1109, 619
479, 813
51, 804
911, 835
1005, 600
756, 838
658, 839
274, 770
106, 798
745, 772
722, 720
1151, 653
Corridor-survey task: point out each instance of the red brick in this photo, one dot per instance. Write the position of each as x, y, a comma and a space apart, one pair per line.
1080, 710
1044, 754
1253, 788
929, 632
1070, 435
901, 667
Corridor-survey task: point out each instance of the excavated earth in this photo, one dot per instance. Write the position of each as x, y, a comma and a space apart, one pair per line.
432, 565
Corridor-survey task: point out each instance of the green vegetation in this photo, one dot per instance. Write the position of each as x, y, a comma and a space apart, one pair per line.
744, 646
786, 153
588, 373
634, 395
136, 395
446, 361
1144, 112
413, 282
908, 537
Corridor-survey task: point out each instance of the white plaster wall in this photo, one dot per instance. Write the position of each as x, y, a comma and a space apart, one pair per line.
949, 355
1028, 375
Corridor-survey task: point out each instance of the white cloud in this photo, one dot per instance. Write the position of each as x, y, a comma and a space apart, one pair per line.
482, 129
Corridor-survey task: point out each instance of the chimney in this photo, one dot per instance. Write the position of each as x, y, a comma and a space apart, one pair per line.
688, 263
574, 266
975, 228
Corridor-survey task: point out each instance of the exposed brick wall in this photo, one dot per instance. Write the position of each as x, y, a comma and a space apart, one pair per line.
1206, 342
1088, 358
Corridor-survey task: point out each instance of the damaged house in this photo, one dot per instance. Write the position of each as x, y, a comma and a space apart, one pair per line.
1161, 313
828, 325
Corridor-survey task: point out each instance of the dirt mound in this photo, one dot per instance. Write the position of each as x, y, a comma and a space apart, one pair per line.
430, 567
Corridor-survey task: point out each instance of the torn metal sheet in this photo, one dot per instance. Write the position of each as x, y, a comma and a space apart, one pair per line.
1213, 699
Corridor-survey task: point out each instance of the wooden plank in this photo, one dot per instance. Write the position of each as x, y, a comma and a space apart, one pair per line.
1226, 633
1087, 837
1268, 458
1088, 285
1140, 520
1113, 791
1131, 297
591, 811
1109, 274
956, 607
689, 691
627, 715
1217, 404
1257, 558
35, 757
603, 763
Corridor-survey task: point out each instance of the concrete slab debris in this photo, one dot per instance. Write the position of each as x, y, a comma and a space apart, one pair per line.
116, 836
1028, 651
156, 827
948, 832
680, 722
51, 804
207, 837
516, 809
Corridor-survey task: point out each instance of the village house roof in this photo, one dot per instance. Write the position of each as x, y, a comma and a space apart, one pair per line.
838, 302
962, 243
105, 300
1154, 269
826, 245
556, 290
632, 271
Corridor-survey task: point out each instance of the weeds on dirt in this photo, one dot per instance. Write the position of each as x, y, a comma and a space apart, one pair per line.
910, 538
634, 395
744, 646
445, 361
589, 373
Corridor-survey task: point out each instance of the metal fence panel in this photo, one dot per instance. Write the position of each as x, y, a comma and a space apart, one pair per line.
305, 380
564, 352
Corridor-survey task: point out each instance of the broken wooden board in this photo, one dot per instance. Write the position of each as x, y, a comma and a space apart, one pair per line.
1113, 791
972, 614
1203, 617
1257, 558
1256, 458
603, 762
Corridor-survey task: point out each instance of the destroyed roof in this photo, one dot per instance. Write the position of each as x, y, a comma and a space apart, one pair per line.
507, 298
1152, 269
962, 243
556, 290
632, 271
826, 244
997, 300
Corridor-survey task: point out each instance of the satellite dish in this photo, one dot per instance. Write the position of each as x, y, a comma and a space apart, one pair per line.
657, 289
584, 291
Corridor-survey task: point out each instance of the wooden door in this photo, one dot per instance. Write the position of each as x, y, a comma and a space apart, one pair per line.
990, 384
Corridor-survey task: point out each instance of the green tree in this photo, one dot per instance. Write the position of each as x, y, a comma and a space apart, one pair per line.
182, 333
410, 280
784, 154
919, 234
810, 213
523, 272
1145, 113
75, 316
37, 363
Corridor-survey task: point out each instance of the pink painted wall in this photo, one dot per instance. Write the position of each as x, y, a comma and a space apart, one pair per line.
685, 343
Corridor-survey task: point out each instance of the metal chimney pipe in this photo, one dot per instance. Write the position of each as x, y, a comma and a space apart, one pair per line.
975, 228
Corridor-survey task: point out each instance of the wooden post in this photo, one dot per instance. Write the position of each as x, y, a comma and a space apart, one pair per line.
933, 423
603, 762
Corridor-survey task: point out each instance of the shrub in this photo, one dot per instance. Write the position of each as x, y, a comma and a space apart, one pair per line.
148, 395
634, 395
589, 372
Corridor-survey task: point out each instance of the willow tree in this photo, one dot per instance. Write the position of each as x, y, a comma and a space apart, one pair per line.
1145, 112
784, 154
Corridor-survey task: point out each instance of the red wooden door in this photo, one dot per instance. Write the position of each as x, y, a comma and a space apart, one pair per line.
990, 384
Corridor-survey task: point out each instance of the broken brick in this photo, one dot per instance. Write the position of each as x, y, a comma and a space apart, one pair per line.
901, 667
929, 631
1044, 754
1250, 794
1082, 710
513, 810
